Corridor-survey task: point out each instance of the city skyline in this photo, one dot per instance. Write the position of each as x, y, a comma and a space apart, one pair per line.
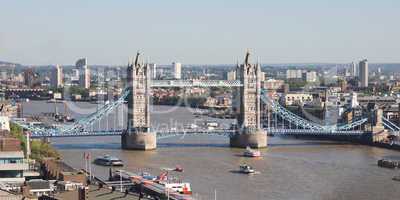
200, 32
225, 97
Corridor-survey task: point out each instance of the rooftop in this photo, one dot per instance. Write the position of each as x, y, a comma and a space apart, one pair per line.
11, 154
38, 184
9, 196
98, 194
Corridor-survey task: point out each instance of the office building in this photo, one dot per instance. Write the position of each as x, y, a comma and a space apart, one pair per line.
294, 74
84, 73
153, 68
56, 79
296, 98
353, 70
262, 76
177, 70
12, 166
363, 75
310, 76
75, 75
12, 160
231, 75
272, 84
3, 75
29, 77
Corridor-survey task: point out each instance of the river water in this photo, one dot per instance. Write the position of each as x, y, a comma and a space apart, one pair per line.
289, 169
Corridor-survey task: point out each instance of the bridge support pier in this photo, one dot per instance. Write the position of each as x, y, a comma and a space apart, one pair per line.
256, 139
138, 141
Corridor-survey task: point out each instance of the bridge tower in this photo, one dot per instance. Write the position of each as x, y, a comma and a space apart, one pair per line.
377, 129
249, 131
138, 135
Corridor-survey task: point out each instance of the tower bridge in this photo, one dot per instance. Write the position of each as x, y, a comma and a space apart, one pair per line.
248, 132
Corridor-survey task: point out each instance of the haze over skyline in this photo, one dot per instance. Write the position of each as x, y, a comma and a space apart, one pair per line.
199, 32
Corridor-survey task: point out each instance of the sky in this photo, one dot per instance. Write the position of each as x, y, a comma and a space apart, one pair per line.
41, 32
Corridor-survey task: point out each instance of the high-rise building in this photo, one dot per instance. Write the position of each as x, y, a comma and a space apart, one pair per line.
363, 67
353, 69
56, 79
3, 75
262, 76
231, 75
177, 70
75, 75
84, 73
29, 77
153, 68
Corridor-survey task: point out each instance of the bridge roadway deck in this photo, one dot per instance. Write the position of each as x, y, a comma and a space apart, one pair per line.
218, 132
195, 83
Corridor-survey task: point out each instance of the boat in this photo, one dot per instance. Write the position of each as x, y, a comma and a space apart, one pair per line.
174, 185
211, 125
108, 160
178, 168
388, 163
181, 188
55, 101
193, 126
251, 153
148, 176
162, 183
246, 169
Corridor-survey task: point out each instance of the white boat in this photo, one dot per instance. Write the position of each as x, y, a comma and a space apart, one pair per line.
193, 126
246, 169
108, 160
212, 124
55, 101
182, 188
251, 153
174, 185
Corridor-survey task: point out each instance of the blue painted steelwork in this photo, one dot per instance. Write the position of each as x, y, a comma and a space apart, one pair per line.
80, 128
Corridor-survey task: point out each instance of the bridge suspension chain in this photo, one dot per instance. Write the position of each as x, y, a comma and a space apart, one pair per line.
303, 123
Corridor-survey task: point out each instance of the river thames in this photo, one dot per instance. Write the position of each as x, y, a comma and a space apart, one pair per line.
289, 168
